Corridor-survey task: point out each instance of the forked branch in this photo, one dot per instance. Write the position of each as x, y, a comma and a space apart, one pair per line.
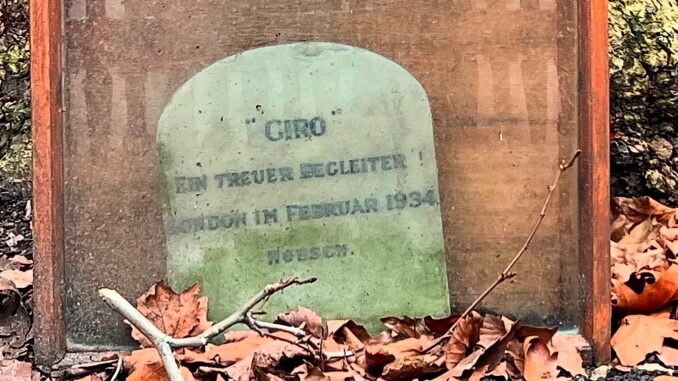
165, 343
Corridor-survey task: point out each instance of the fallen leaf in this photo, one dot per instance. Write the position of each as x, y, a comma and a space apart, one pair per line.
14, 370
315, 374
405, 327
499, 372
378, 356
239, 346
492, 347
641, 335
540, 364
665, 378
22, 260
21, 279
647, 291
94, 377
305, 319
409, 367
439, 326
638, 209
178, 315
145, 365
344, 334
463, 338
269, 355
493, 330
567, 348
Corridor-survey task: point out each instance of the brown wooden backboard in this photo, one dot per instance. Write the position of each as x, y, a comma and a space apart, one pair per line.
514, 85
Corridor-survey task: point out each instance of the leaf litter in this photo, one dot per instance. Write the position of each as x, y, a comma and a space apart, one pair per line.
482, 345
16, 284
644, 257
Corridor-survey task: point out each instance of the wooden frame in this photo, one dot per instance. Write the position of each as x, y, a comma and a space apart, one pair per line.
48, 221
46, 79
594, 175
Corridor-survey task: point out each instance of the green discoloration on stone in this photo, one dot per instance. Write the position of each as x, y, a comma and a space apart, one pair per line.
369, 279
298, 160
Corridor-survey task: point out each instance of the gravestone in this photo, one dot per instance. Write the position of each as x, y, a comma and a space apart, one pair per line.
304, 159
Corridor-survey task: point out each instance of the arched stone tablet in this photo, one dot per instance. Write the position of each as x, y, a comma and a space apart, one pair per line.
304, 159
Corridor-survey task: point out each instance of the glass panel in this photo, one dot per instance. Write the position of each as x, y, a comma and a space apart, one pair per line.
500, 78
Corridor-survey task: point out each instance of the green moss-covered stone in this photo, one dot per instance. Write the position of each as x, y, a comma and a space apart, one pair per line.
305, 159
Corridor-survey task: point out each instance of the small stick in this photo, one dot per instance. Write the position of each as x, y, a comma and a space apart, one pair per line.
118, 367
507, 274
165, 343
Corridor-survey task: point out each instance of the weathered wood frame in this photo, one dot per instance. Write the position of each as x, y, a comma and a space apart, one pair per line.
48, 197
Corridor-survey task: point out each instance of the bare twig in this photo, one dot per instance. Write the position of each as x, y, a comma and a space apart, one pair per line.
507, 274
165, 343
257, 324
118, 367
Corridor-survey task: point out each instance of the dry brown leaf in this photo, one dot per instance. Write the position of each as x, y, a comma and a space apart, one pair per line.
242, 370
346, 334
178, 315
464, 337
638, 209
644, 231
665, 378
515, 358
271, 354
94, 377
406, 327
21, 279
409, 367
670, 234
145, 365
378, 356
668, 356
439, 326
641, 335
658, 289
305, 319
14, 370
493, 330
492, 347
447, 376
22, 260
569, 357
156, 372
315, 374
239, 346
500, 371
540, 364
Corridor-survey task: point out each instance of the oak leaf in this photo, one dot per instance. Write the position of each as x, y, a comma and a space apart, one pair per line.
176, 314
